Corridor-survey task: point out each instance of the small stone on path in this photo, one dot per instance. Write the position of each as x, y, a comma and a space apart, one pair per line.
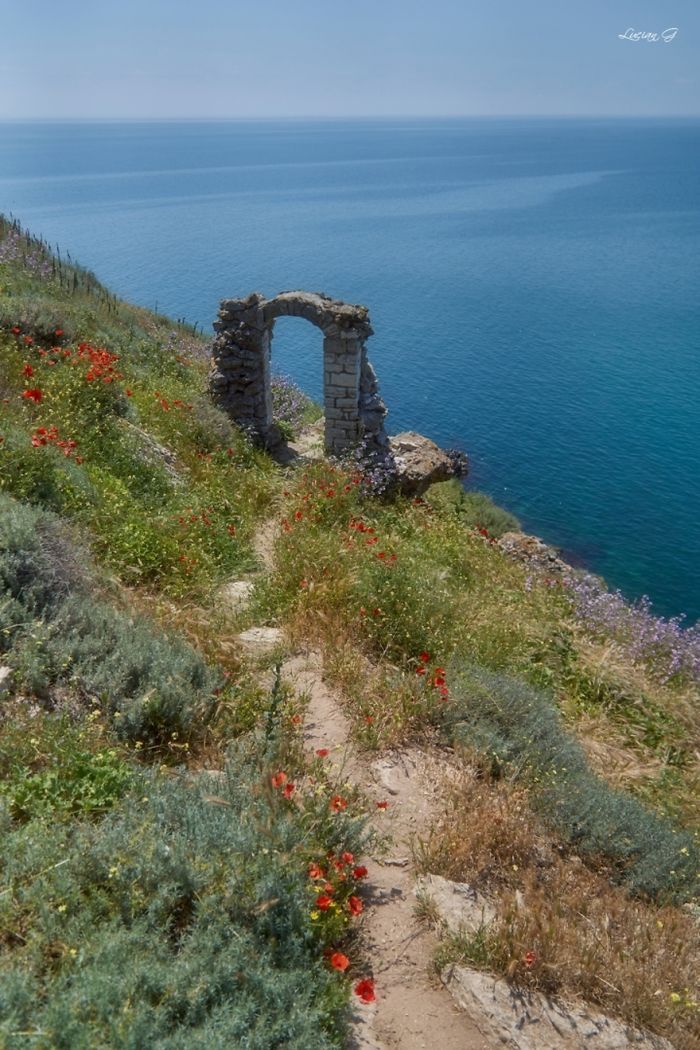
262, 639
237, 594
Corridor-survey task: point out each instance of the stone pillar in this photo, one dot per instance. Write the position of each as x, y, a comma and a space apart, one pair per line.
372, 409
239, 381
342, 353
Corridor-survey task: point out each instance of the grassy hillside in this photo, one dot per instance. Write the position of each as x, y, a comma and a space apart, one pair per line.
147, 902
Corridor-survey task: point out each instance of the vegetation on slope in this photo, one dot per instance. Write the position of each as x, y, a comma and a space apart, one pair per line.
127, 500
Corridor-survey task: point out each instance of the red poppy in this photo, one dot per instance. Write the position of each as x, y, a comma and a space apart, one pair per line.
382, 805
337, 803
360, 872
322, 752
33, 395
355, 906
339, 961
323, 902
364, 989
278, 779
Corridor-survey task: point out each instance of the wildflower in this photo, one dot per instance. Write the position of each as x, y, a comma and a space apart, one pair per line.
338, 803
364, 989
355, 906
35, 395
382, 805
322, 752
323, 902
360, 872
278, 779
339, 961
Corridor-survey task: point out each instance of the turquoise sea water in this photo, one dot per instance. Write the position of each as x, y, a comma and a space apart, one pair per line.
533, 286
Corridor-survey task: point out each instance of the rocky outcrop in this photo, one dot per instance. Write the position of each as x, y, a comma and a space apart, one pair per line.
419, 463
534, 553
521, 1020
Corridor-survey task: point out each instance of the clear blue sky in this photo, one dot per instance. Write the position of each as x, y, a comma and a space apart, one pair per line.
240, 58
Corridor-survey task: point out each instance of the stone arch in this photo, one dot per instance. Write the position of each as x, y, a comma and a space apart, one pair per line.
240, 377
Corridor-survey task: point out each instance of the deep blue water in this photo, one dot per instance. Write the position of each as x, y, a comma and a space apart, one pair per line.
533, 286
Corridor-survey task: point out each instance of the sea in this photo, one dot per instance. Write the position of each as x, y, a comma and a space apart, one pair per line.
533, 285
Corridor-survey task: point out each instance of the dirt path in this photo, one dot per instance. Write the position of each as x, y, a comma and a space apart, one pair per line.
413, 1011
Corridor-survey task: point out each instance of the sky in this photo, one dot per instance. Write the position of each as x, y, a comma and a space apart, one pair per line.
100, 59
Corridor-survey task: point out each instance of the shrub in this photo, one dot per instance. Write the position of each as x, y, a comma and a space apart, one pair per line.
666, 647
151, 684
183, 919
520, 728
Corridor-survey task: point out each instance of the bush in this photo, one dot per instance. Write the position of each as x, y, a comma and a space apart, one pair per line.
520, 728
151, 684
183, 919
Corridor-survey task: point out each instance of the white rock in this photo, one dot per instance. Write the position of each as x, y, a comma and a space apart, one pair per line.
5, 679
261, 639
458, 905
521, 1020
237, 594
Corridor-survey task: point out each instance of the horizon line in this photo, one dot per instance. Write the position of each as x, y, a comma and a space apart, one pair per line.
350, 116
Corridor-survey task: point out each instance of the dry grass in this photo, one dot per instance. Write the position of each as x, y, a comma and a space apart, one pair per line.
587, 938
638, 734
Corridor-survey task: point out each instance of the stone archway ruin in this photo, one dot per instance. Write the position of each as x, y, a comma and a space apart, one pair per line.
240, 377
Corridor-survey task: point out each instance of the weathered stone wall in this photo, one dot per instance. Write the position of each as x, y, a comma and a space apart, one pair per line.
240, 376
